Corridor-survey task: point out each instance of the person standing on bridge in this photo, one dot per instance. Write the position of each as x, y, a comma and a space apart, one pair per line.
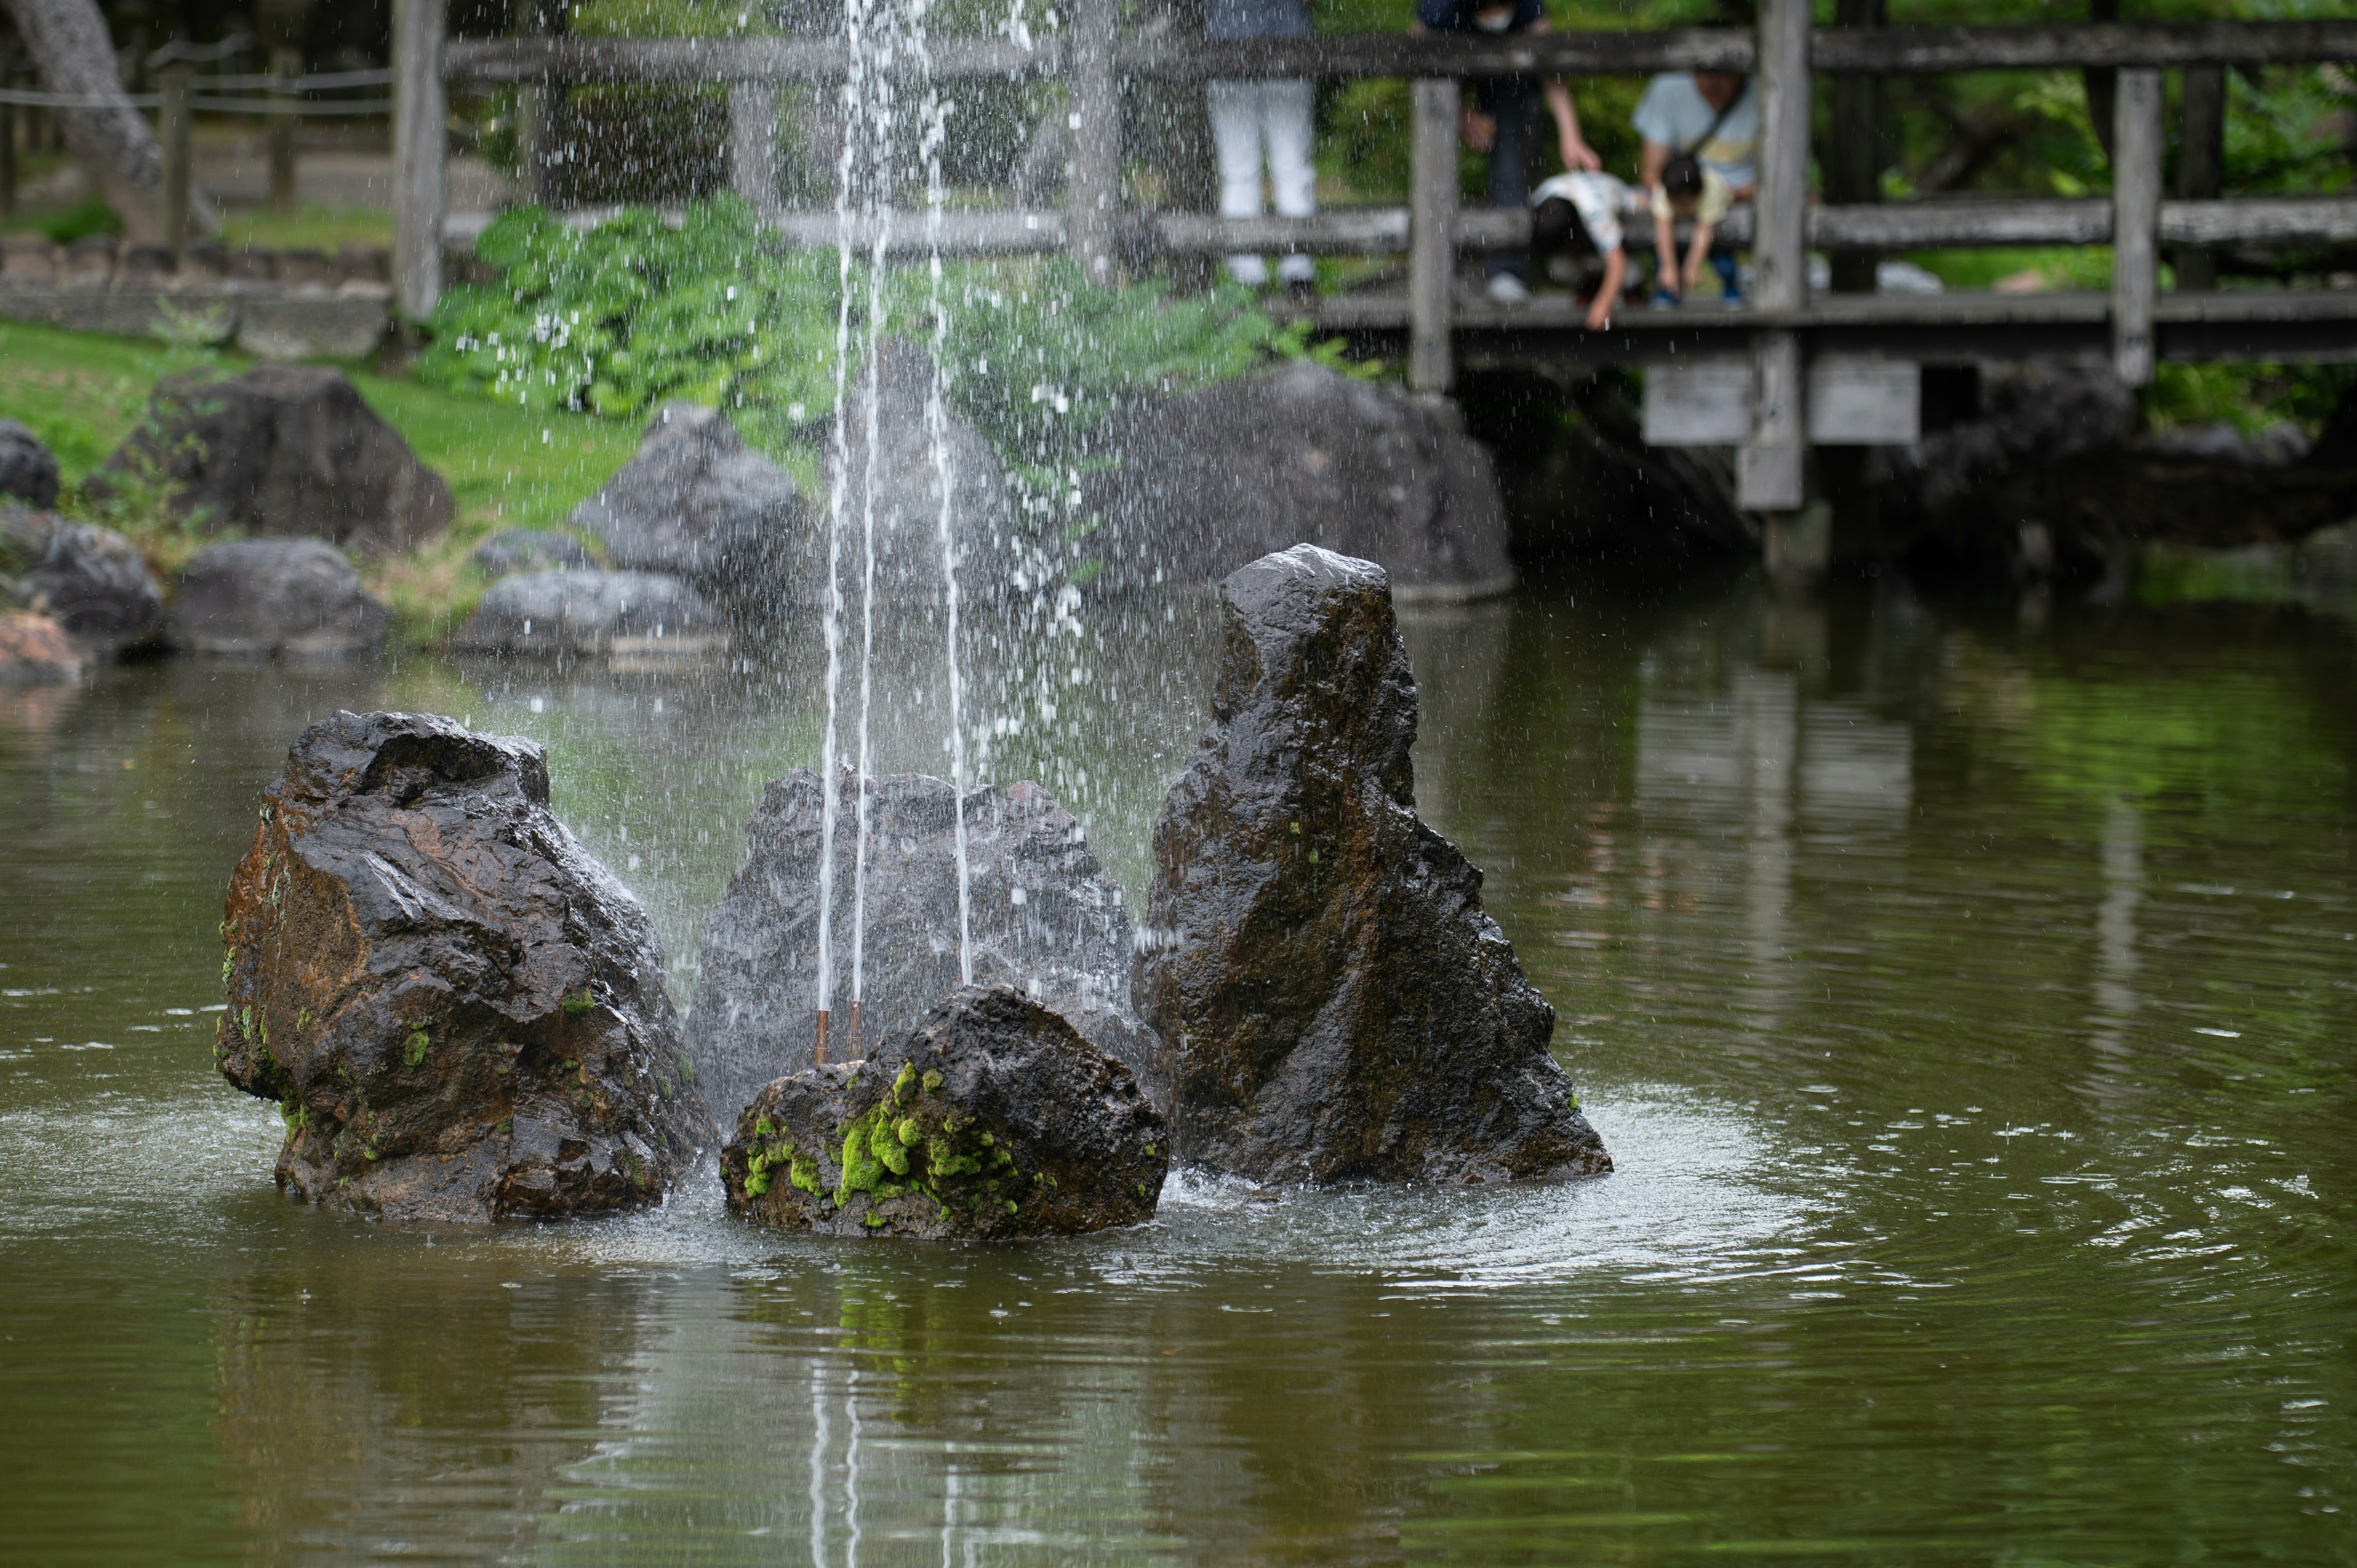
1498, 117
1248, 116
1706, 118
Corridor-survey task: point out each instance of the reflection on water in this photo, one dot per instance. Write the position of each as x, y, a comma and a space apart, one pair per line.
1967, 1008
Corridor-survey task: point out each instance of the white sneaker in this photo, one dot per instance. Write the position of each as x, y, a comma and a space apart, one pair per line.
1507, 289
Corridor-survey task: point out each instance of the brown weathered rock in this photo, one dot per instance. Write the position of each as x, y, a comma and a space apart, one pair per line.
990, 1119
36, 652
282, 449
461, 1015
1335, 1004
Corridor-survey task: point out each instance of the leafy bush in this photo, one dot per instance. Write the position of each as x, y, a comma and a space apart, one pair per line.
616, 320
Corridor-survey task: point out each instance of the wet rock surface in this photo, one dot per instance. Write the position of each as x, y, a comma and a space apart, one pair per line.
91, 580
283, 449
1045, 917
992, 551
28, 471
616, 614
255, 598
1334, 1004
529, 550
461, 1015
698, 504
36, 652
991, 1119
1209, 481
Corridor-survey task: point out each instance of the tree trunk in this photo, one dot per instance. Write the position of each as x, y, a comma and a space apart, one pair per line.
69, 47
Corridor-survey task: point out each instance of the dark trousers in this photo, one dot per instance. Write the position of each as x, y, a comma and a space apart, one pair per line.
1512, 102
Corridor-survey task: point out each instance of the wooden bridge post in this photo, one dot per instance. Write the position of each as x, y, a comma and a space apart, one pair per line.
174, 130
1096, 193
753, 144
2136, 222
1432, 237
420, 153
1770, 469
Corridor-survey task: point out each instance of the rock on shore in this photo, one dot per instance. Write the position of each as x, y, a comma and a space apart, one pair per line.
28, 471
1336, 1003
255, 598
461, 1015
91, 580
991, 1119
1045, 917
698, 504
1209, 481
36, 652
282, 449
617, 614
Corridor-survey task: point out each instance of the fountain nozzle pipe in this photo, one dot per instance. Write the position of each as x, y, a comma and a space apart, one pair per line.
818, 1055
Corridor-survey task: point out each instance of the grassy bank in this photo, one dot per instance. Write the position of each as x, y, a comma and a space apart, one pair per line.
507, 467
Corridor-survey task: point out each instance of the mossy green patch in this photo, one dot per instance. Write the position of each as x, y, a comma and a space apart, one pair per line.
413, 1055
578, 1002
932, 1081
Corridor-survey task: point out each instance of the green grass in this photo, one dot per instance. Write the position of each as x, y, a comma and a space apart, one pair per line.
507, 467
310, 228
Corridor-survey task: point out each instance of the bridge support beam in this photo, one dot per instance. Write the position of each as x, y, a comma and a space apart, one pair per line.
420, 146
1095, 192
1432, 237
2136, 222
1770, 467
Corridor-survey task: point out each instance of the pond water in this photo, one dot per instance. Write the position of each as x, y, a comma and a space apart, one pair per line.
1968, 1004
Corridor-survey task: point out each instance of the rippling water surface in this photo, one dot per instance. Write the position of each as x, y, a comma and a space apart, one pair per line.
1967, 1005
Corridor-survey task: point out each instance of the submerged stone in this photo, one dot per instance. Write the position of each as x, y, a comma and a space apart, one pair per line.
991, 1119
1045, 916
460, 1014
622, 614
1333, 1001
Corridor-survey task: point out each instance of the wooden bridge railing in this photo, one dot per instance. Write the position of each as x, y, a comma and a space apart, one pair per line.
1783, 54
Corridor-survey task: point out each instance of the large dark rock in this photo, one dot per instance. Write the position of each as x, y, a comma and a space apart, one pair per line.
28, 471
254, 598
461, 1015
1209, 481
992, 551
91, 579
1335, 1004
991, 1119
1044, 916
616, 614
282, 449
36, 652
698, 504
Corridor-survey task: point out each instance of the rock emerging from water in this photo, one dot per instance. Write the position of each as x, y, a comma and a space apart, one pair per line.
991, 1119
1045, 917
460, 1014
28, 471
619, 615
282, 449
1334, 1003
698, 504
255, 598
91, 580
527, 550
1210, 480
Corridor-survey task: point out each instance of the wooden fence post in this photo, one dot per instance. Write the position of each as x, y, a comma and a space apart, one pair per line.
1432, 237
419, 152
287, 65
1768, 470
9, 140
2136, 222
173, 129
753, 144
1095, 194
2200, 164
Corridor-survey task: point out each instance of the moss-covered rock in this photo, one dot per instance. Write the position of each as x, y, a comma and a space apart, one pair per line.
992, 1118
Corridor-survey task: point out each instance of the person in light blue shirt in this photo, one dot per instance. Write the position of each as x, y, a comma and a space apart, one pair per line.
1712, 118
1251, 117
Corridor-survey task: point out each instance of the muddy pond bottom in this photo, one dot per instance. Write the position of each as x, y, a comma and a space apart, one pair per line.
1969, 1005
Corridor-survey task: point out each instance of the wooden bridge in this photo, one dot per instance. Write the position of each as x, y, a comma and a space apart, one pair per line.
1788, 370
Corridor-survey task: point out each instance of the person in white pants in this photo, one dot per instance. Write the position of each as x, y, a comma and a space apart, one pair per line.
1248, 117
